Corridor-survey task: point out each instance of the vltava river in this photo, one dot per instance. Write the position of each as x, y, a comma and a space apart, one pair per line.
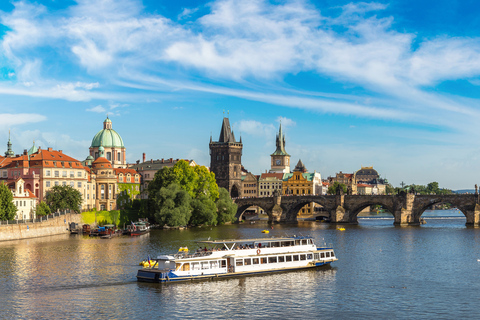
383, 272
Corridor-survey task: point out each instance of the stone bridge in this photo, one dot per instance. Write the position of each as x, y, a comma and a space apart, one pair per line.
406, 209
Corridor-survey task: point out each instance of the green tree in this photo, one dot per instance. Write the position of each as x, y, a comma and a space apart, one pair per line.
7, 209
63, 197
226, 208
204, 211
389, 189
173, 206
332, 189
42, 209
205, 183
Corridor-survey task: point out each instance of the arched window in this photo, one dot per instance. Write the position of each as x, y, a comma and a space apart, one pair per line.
109, 156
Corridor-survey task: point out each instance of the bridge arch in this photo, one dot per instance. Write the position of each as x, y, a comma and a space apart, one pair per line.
293, 205
245, 205
425, 205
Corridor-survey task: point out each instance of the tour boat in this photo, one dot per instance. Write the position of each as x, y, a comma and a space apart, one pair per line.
227, 258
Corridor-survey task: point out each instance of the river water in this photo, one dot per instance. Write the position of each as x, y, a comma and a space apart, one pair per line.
383, 272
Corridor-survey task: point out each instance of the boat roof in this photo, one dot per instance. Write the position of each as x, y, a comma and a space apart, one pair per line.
273, 239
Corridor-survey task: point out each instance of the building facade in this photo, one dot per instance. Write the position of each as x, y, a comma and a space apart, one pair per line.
23, 199
226, 160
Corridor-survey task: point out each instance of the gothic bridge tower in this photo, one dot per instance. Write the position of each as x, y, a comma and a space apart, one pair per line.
226, 160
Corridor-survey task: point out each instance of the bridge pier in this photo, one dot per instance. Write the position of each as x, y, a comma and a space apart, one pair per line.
276, 214
473, 216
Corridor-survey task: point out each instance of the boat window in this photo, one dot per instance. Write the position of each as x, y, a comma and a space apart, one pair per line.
281, 259
309, 256
255, 261
295, 258
288, 258
332, 254
195, 266
248, 261
322, 255
239, 262
177, 266
327, 254
297, 242
275, 244
304, 242
303, 257
205, 265
316, 256
263, 260
272, 259
213, 265
223, 263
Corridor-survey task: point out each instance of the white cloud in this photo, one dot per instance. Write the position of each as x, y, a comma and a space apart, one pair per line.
98, 109
286, 122
254, 128
13, 119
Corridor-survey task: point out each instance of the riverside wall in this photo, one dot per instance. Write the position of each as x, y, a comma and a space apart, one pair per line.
50, 227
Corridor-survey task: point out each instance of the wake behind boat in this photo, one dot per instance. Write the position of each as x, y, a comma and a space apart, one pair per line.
227, 258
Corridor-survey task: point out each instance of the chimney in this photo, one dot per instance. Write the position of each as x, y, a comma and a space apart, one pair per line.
144, 157
60, 151
25, 152
49, 149
163, 160
170, 160
138, 161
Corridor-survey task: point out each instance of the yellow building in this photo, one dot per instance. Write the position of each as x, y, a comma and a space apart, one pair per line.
300, 182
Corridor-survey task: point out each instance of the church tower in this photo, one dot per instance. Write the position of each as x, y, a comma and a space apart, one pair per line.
226, 160
280, 158
9, 153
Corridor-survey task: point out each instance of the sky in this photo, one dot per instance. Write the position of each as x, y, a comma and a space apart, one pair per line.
389, 84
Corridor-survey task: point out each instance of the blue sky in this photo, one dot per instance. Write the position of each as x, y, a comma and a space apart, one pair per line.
389, 84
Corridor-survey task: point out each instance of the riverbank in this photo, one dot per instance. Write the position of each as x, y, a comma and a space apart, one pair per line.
50, 227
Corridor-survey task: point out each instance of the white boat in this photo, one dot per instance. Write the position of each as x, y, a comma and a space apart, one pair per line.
227, 258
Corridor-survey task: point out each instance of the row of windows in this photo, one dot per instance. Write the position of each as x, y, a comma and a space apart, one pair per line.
56, 173
19, 203
274, 186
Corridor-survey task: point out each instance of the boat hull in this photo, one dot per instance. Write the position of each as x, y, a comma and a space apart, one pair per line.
158, 276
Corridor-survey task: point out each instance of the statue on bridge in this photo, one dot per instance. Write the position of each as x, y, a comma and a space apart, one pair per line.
476, 189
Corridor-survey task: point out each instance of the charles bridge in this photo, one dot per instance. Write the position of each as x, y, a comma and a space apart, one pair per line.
406, 208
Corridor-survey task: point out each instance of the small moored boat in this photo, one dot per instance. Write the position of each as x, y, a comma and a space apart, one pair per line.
227, 258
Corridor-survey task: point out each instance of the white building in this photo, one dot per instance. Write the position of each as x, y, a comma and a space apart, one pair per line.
23, 199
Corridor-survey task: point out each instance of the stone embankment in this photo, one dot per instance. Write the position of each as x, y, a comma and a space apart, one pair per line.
51, 226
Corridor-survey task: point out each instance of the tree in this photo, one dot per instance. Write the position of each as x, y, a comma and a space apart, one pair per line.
173, 206
7, 209
204, 211
389, 189
333, 188
42, 209
63, 197
198, 183
226, 208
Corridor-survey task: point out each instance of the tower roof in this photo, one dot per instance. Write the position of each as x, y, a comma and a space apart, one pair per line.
280, 142
107, 137
300, 167
226, 134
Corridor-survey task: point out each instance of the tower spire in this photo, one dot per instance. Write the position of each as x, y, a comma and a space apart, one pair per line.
9, 153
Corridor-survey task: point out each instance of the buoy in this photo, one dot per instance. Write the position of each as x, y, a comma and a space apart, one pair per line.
265, 231
341, 229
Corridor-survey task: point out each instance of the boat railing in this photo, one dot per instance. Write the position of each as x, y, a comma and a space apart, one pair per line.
182, 255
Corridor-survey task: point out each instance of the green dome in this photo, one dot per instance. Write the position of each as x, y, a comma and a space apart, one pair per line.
108, 138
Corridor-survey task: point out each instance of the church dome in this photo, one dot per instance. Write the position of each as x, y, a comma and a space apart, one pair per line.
107, 137
101, 163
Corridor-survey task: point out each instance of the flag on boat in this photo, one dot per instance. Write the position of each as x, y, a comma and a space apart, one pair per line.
133, 225
148, 259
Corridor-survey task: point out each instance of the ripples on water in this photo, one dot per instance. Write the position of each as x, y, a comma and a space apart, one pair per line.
383, 272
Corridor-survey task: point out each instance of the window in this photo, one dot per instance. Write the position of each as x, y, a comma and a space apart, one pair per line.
47, 184
295, 258
248, 261
327, 254
281, 259
223, 263
64, 174
72, 174
64, 183
272, 259
303, 257
288, 258
57, 173
239, 262
88, 196
204, 265
255, 261
56, 183
48, 173
109, 156
118, 157
195, 266
263, 260
332, 254
72, 184
79, 184
309, 256
316, 256
322, 255
79, 174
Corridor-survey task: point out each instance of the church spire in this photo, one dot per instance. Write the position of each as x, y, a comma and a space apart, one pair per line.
280, 143
9, 153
